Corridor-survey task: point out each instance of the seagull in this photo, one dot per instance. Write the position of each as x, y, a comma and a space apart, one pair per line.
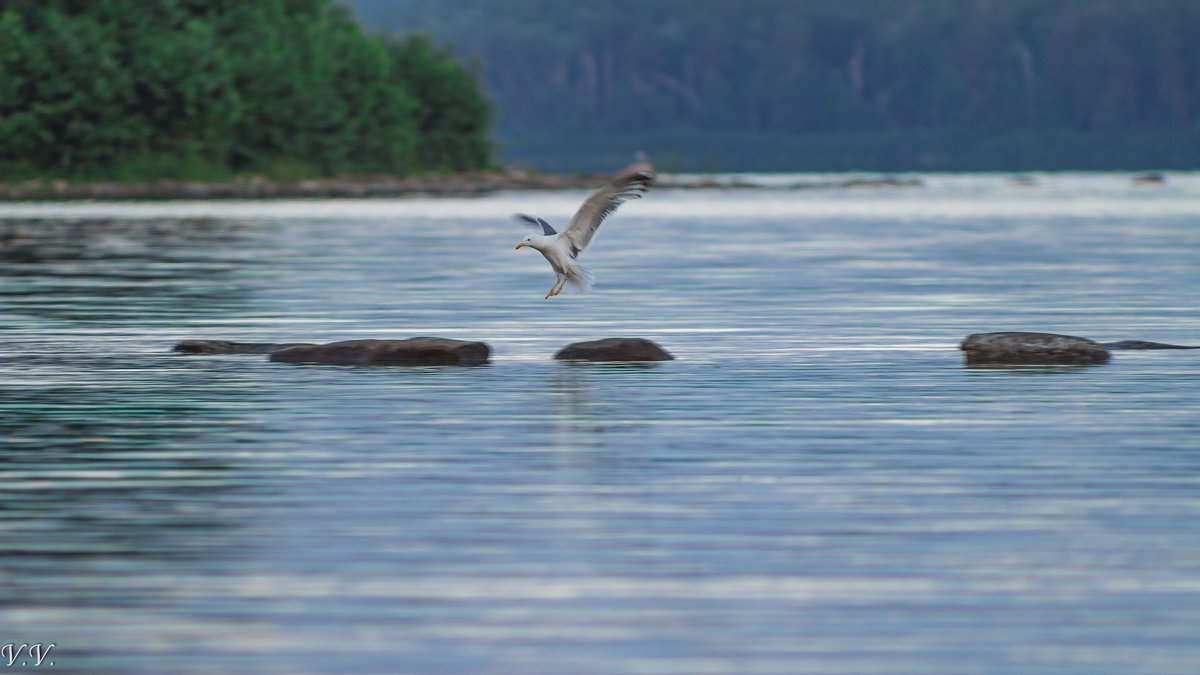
561, 248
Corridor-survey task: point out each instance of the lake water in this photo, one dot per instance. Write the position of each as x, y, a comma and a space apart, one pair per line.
815, 485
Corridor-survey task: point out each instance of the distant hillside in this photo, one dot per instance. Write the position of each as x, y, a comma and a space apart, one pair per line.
819, 84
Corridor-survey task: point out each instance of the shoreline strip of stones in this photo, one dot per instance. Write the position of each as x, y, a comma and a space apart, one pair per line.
389, 186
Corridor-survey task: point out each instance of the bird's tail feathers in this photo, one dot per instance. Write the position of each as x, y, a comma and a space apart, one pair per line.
581, 279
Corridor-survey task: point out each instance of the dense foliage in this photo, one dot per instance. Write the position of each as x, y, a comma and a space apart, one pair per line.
201, 88
926, 83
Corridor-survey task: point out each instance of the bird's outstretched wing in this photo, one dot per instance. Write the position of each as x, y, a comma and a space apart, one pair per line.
626, 186
535, 221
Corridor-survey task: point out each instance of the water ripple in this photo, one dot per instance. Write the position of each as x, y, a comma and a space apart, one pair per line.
815, 485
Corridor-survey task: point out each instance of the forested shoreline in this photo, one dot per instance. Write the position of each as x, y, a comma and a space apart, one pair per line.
194, 90
296, 90
822, 85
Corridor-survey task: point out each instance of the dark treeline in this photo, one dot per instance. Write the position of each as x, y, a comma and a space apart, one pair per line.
141, 89
818, 84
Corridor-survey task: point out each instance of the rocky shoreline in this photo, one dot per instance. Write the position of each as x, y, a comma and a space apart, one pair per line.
380, 186
258, 187
421, 351
981, 350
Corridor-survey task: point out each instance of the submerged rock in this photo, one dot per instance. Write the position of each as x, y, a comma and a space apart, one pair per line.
1142, 344
226, 347
1031, 349
614, 349
1150, 178
419, 351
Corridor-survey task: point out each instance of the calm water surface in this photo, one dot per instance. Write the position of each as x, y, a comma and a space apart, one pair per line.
816, 485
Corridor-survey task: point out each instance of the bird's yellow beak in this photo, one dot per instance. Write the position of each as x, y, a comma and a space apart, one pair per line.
519, 245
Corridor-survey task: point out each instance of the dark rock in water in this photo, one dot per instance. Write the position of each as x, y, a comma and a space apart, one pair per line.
226, 347
419, 351
1142, 344
614, 349
1150, 178
1031, 349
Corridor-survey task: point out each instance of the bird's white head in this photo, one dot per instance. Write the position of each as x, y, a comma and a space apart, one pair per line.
530, 241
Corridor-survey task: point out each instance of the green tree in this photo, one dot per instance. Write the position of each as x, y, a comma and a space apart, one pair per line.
453, 118
109, 87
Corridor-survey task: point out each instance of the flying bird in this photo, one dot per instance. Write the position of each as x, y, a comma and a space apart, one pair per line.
561, 248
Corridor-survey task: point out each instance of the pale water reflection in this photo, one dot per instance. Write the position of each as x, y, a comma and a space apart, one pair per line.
815, 485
